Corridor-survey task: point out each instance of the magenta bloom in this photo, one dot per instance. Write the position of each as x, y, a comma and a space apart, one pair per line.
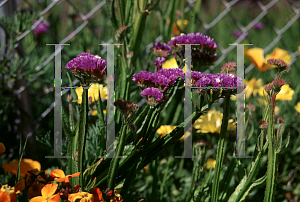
41, 28
202, 54
161, 49
216, 80
237, 33
259, 25
158, 63
88, 66
160, 79
152, 92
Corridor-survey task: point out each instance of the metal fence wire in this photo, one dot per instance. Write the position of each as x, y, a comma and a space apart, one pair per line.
294, 5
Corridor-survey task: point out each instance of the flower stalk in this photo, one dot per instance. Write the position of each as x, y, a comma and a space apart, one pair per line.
221, 150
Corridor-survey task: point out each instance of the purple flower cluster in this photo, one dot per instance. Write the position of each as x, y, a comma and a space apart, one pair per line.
160, 79
88, 66
202, 54
161, 49
158, 63
215, 80
41, 28
237, 33
259, 25
152, 92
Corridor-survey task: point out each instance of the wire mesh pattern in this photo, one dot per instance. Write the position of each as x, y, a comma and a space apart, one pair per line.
207, 26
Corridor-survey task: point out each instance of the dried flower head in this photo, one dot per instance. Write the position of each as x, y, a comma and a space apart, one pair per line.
229, 68
263, 124
282, 66
251, 107
120, 33
275, 85
126, 107
280, 119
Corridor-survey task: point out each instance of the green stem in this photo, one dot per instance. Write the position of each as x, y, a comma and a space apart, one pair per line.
113, 170
221, 149
272, 164
82, 134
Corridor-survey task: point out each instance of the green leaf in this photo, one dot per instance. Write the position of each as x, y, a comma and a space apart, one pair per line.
82, 135
113, 18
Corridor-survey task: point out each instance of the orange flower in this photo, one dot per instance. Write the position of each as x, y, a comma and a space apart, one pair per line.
2, 148
179, 24
47, 194
8, 194
256, 56
81, 197
26, 164
61, 175
97, 195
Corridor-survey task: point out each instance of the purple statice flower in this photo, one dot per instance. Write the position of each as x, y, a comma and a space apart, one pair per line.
204, 81
158, 63
202, 54
152, 94
173, 74
87, 66
161, 49
237, 33
143, 79
216, 80
41, 28
259, 25
161, 80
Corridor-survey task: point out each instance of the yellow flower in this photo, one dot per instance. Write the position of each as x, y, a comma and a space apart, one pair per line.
286, 93
81, 197
166, 129
297, 107
181, 25
25, 165
256, 56
93, 92
171, 63
253, 87
210, 162
2, 148
94, 112
211, 123
299, 50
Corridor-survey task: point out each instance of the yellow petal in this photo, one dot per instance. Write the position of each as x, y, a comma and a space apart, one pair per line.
297, 107
165, 129
79, 92
286, 93
210, 162
170, 64
256, 56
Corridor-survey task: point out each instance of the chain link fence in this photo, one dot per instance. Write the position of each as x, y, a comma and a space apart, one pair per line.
7, 8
